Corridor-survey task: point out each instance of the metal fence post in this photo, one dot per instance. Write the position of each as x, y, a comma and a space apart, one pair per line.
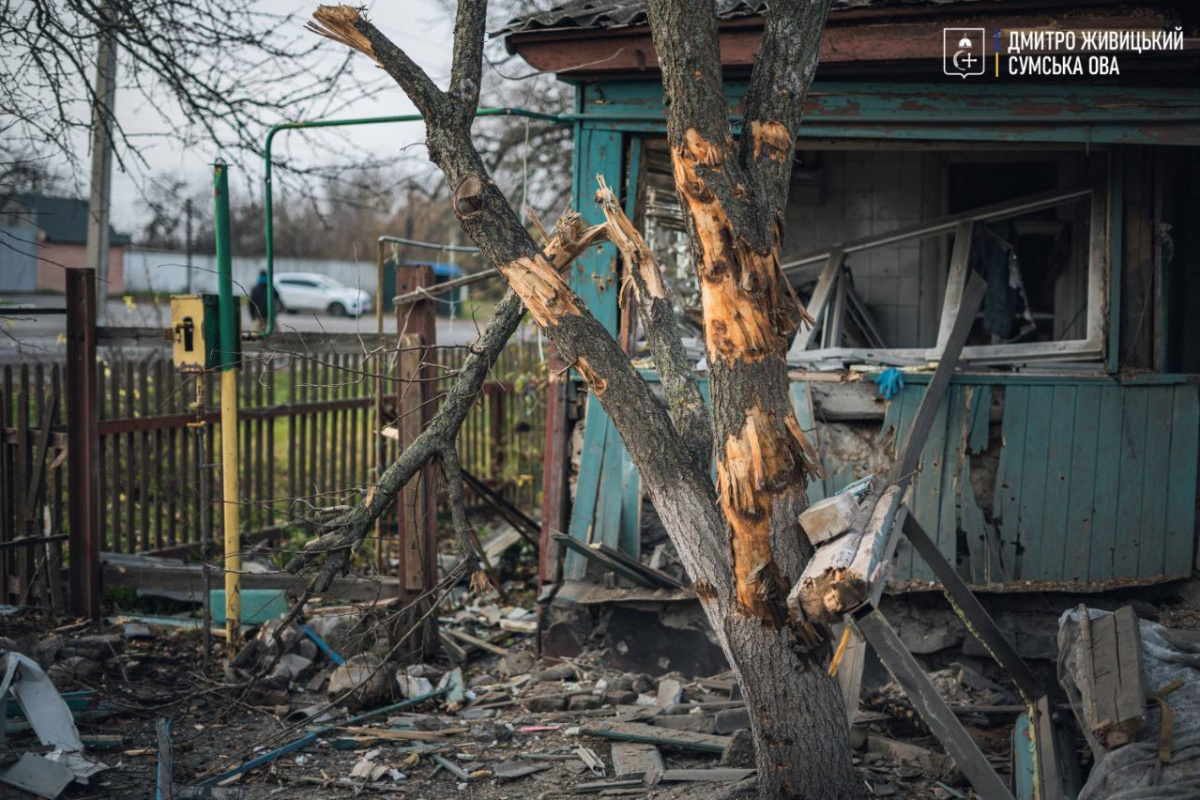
83, 444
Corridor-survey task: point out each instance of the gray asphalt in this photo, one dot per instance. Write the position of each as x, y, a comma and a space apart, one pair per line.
42, 337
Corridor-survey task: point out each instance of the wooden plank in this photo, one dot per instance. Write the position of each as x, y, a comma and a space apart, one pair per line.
157, 577
829, 587
710, 775
967, 514
1130, 530
1107, 485
594, 277
910, 397
482, 644
932, 708
1032, 499
1156, 483
587, 487
1080, 522
1052, 547
1179, 541
956, 282
802, 406
633, 565
22, 512
160, 367
1131, 699
272, 375
144, 497
981, 408
631, 505
413, 536
1113, 690
1009, 475
6, 523
650, 734
589, 554
607, 526
174, 484
131, 464
927, 485
114, 487
635, 760
818, 303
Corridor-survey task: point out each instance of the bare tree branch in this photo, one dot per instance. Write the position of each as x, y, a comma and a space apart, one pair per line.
467, 62
347, 26
783, 72
681, 490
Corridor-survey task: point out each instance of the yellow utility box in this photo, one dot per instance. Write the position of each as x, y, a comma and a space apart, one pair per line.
196, 332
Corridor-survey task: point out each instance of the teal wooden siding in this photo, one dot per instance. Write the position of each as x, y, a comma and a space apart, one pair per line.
1095, 481
601, 508
959, 111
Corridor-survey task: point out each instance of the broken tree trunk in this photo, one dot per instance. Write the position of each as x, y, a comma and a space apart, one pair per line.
739, 541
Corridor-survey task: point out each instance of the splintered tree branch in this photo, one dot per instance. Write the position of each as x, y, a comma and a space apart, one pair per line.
681, 490
345, 25
684, 400
341, 537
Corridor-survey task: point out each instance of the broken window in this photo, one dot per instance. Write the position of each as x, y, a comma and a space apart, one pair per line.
872, 247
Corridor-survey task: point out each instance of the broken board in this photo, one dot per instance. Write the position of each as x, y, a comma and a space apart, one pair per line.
636, 760
650, 734
1113, 690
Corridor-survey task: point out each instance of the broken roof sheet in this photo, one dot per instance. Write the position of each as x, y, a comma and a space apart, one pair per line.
587, 14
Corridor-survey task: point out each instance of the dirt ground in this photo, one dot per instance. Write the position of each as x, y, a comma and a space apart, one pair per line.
218, 724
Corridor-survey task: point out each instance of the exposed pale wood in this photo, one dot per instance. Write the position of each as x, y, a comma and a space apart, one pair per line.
635, 760
829, 518
710, 775
827, 588
818, 303
650, 734
482, 644
1113, 691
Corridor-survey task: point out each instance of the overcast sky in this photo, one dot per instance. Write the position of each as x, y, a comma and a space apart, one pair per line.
421, 27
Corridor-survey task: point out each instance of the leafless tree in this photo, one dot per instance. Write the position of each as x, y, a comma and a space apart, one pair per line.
738, 539
210, 69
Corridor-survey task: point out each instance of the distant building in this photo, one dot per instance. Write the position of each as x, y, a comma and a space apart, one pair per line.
45, 235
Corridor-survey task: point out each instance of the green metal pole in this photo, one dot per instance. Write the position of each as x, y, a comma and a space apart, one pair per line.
228, 309
268, 199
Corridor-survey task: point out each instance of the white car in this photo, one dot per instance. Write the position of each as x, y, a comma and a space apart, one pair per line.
309, 291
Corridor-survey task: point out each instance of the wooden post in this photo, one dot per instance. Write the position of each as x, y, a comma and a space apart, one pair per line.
556, 503
494, 395
83, 443
414, 394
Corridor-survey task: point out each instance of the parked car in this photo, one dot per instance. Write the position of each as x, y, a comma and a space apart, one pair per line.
308, 291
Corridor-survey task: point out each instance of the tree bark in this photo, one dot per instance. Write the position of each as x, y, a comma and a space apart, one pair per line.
739, 541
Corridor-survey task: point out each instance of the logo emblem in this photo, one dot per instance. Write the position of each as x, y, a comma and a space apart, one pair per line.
963, 51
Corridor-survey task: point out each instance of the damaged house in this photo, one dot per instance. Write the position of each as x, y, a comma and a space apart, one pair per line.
1065, 454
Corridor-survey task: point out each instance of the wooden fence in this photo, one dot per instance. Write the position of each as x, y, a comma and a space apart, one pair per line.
307, 441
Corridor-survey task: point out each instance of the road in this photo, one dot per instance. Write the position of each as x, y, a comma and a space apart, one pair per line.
41, 337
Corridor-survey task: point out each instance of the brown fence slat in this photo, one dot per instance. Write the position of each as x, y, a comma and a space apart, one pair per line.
153, 464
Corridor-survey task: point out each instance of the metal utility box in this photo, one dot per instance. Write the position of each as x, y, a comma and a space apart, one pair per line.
196, 333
